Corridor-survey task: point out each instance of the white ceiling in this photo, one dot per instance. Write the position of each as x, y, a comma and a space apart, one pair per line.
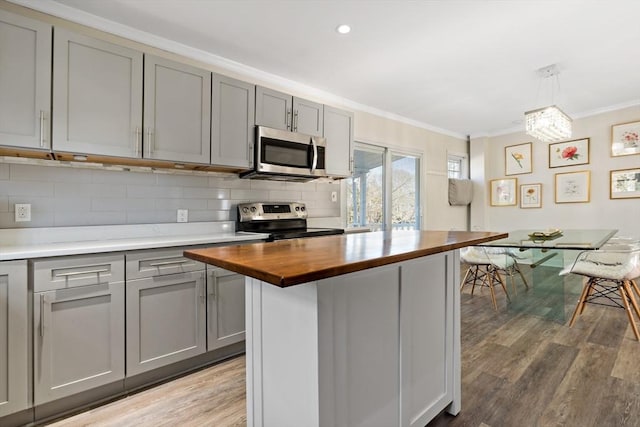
468, 66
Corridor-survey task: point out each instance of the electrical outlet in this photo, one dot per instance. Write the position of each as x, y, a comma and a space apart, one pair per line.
23, 212
183, 215
334, 196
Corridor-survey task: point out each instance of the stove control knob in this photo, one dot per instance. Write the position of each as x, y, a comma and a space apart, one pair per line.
245, 210
297, 208
253, 209
302, 208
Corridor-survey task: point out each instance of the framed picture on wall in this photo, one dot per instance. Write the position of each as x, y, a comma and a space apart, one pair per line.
504, 192
624, 184
569, 153
530, 196
573, 187
517, 159
625, 139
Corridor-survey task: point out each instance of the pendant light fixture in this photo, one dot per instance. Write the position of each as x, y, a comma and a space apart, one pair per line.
548, 124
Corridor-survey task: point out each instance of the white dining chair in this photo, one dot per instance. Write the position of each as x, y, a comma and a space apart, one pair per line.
485, 265
610, 274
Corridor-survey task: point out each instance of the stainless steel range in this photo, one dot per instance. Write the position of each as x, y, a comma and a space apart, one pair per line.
280, 220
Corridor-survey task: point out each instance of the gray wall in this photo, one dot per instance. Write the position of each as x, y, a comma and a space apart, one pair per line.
70, 196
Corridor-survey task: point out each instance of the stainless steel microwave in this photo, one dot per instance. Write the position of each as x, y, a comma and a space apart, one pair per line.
287, 156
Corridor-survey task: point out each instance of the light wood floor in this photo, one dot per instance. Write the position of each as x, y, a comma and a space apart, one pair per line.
518, 369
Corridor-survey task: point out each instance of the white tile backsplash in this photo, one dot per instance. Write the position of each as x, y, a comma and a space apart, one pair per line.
67, 196
4, 171
87, 189
26, 189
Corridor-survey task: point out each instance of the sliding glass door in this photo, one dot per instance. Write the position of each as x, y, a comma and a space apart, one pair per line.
384, 191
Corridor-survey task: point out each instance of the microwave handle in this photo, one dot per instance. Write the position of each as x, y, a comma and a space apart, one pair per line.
314, 162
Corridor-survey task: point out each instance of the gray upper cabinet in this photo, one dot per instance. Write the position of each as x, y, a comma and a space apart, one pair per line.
338, 131
97, 96
273, 108
25, 82
177, 111
282, 111
233, 118
307, 117
14, 351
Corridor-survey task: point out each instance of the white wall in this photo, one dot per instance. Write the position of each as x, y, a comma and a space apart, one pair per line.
600, 212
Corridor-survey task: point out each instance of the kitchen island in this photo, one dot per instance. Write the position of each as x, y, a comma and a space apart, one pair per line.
360, 329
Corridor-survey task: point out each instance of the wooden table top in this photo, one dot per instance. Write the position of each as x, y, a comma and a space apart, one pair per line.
291, 262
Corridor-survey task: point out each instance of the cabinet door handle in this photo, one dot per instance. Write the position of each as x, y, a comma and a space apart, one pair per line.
149, 139
287, 120
137, 147
42, 303
211, 284
42, 131
295, 121
163, 263
76, 273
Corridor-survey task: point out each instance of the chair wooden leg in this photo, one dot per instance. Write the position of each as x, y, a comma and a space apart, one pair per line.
493, 292
526, 285
592, 289
513, 283
475, 278
623, 294
581, 302
504, 287
464, 281
632, 298
635, 287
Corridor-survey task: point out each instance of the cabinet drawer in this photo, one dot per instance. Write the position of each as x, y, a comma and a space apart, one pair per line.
156, 262
73, 271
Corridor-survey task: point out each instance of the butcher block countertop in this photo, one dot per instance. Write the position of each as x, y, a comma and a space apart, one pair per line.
291, 262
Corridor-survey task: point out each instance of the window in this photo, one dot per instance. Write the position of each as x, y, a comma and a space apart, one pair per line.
384, 191
455, 166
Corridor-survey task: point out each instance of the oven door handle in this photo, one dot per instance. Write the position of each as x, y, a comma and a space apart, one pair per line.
314, 162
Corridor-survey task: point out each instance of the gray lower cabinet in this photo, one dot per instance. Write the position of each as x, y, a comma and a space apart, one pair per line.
338, 131
232, 123
13, 337
282, 111
97, 96
25, 82
177, 111
225, 308
78, 324
166, 317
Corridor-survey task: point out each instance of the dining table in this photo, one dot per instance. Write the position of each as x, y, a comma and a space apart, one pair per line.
545, 258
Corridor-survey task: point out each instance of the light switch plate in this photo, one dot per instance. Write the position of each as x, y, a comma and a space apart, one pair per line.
183, 215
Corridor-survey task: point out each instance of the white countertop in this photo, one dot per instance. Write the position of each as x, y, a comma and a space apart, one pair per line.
27, 243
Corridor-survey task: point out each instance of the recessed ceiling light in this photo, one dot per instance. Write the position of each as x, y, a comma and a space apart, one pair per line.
343, 29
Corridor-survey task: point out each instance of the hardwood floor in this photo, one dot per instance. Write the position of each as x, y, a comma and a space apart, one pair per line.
214, 396
519, 368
